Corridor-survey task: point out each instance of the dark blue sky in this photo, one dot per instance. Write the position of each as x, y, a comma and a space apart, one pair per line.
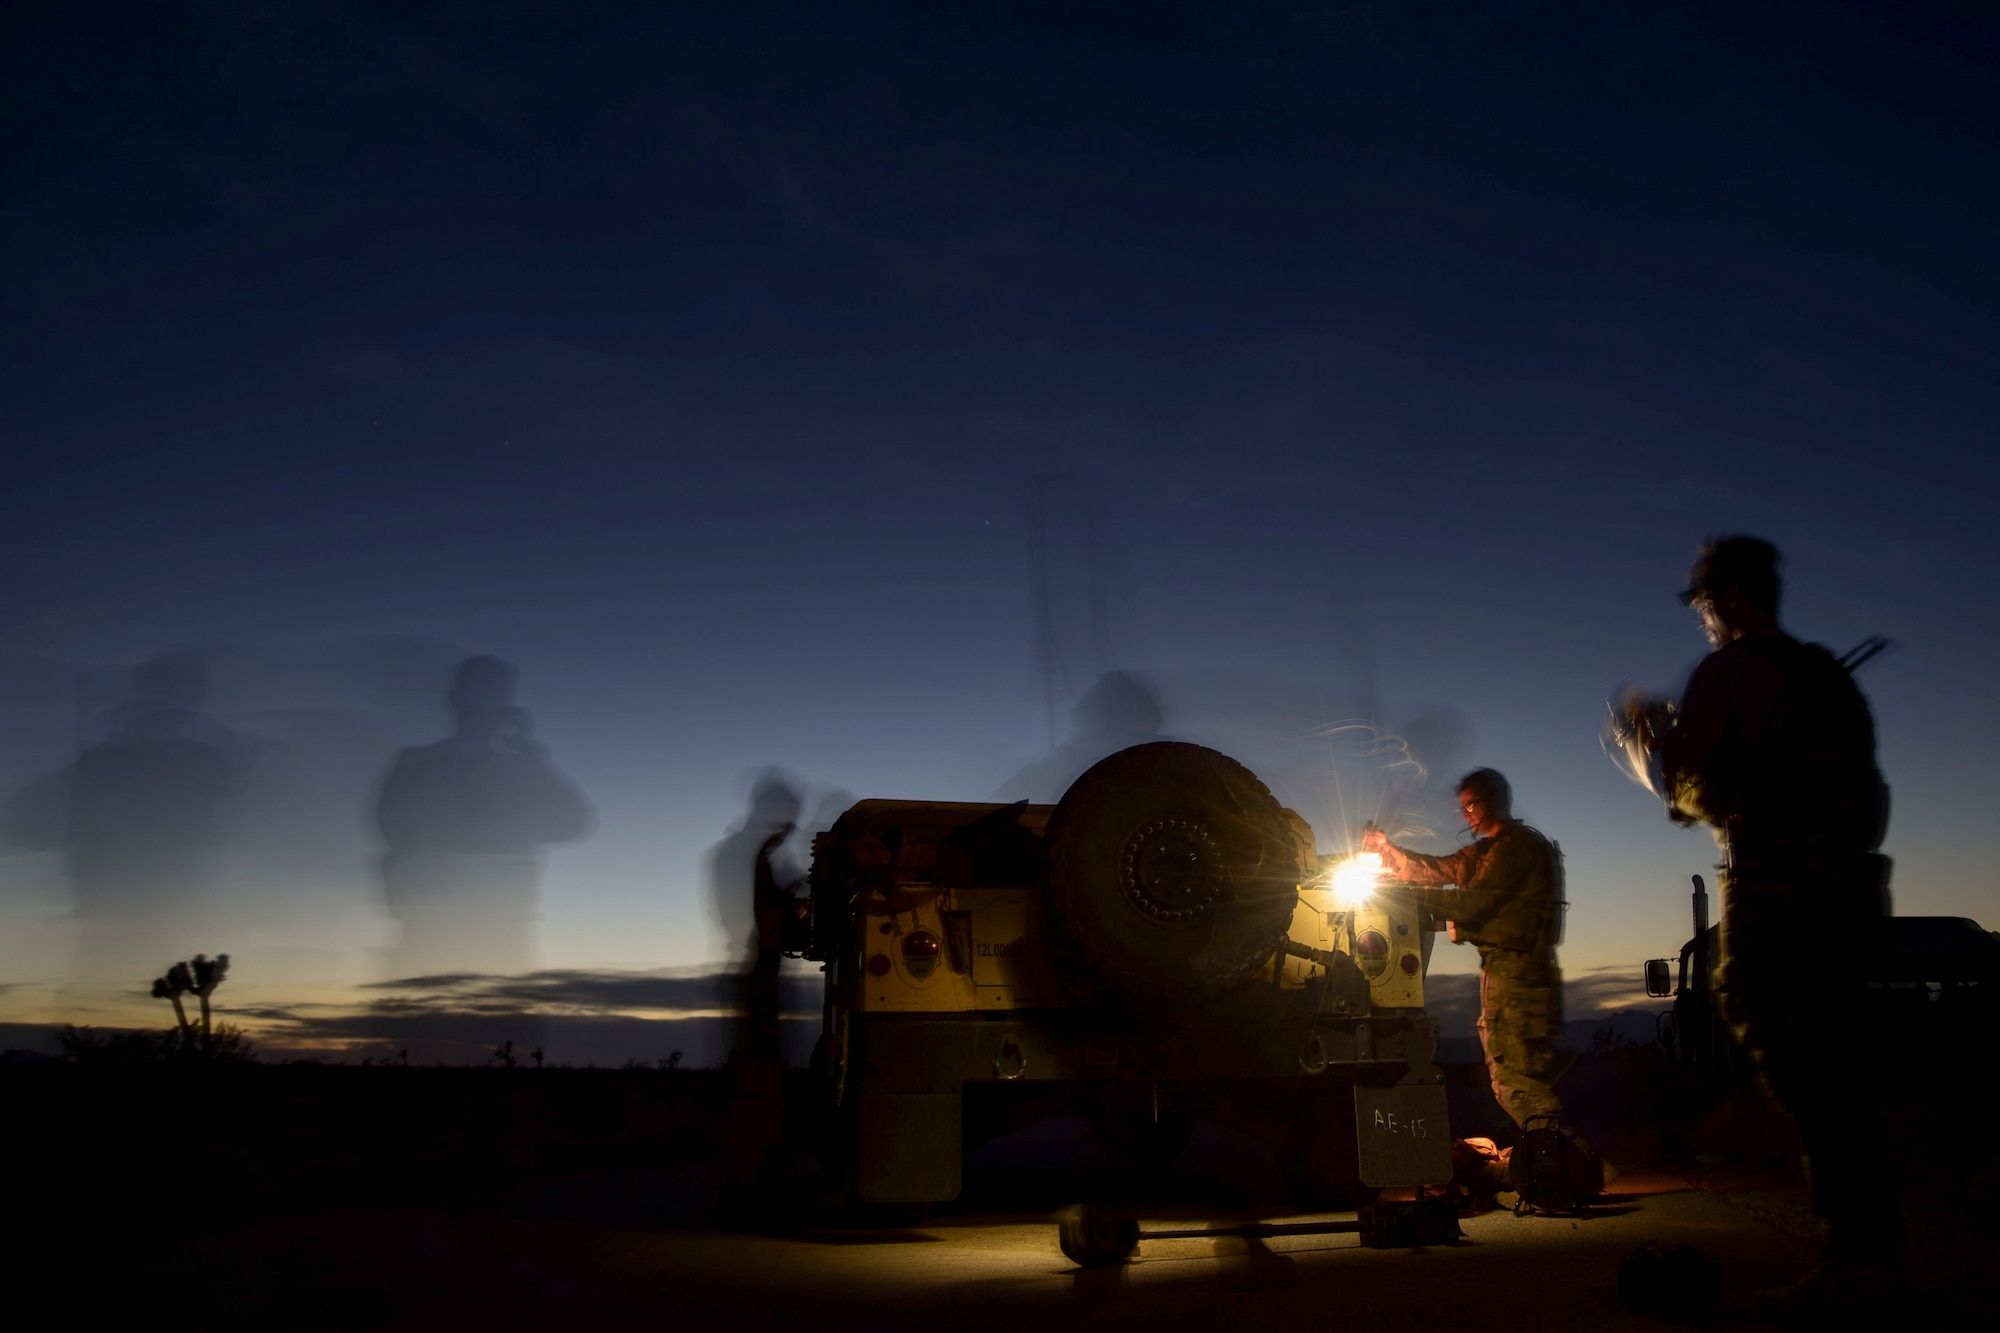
702, 359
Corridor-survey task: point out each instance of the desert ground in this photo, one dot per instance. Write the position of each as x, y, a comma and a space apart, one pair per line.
295, 1197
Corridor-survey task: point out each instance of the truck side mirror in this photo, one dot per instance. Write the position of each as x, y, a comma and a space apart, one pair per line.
1659, 976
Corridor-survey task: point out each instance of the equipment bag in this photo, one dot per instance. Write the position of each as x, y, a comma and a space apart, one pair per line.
1554, 1170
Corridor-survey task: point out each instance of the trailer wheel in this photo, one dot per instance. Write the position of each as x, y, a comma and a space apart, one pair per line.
1092, 1238
1173, 873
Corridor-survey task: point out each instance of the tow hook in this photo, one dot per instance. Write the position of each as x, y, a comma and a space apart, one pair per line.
1009, 1062
1312, 1054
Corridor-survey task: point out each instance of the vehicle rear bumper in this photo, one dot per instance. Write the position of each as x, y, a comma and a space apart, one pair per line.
908, 1078
910, 1054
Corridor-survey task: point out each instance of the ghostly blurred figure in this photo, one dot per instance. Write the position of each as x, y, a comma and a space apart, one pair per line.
753, 891
732, 864
465, 821
140, 818
1117, 711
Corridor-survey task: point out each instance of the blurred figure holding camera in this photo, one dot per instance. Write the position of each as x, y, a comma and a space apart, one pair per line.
465, 821
1773, 747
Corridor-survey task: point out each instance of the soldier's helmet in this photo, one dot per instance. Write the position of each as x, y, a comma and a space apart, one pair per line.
481, 684
1748, 565
1493, 790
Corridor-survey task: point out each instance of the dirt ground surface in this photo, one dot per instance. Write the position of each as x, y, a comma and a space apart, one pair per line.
415, 1199
639, 1247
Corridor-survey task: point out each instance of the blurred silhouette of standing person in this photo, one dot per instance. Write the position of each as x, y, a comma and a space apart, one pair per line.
734, 863
139, 817
752, 895
1773, 747
465, 821
1116, 712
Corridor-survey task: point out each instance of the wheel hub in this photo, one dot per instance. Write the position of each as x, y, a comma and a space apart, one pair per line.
1171, 871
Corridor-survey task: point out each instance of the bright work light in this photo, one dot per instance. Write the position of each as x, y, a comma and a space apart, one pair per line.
1354, 879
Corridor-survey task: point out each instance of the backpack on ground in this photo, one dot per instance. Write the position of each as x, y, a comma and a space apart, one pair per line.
1553, 1169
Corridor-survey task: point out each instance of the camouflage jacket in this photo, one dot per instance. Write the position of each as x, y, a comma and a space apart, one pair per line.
1773, 734
1509, 888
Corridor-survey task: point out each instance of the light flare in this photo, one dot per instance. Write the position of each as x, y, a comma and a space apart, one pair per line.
1354, 880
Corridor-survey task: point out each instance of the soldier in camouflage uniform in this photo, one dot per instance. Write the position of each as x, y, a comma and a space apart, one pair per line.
1773, 746
1508, 904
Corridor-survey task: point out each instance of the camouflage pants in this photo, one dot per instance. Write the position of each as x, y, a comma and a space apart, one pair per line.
1794, 1007
1520, 1024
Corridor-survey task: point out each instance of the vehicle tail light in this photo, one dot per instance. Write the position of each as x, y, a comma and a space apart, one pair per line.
1411, 964
921, 950
1371, 950
878, 965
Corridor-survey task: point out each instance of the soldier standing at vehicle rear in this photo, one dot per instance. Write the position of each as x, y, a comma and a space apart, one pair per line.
1508, 904
1773, 746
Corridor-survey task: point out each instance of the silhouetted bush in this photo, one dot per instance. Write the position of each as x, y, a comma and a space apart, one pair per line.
225, 1044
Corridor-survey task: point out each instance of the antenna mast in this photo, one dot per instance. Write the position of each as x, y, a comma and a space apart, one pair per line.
1047, 661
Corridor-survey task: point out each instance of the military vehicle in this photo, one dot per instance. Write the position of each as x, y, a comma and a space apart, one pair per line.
1162, 944
1932, 982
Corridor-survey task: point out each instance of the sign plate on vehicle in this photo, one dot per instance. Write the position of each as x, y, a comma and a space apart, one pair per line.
1403, 1134
1007, 949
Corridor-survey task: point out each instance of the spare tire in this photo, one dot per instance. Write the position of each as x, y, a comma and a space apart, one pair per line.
1172, 872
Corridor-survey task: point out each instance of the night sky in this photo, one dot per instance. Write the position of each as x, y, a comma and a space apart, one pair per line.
756, 377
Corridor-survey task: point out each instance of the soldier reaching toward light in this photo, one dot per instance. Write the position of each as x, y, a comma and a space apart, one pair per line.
1507, 903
